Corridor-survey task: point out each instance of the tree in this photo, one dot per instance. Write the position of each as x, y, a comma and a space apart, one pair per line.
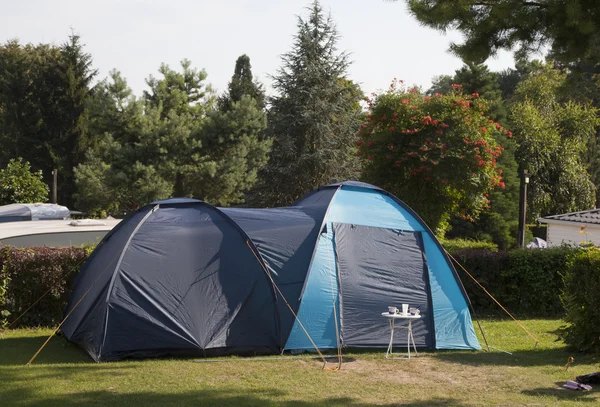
242, 83
552, 135
499, 223
180, 92
313, 117
571, 27
475, 78
44, 91
437, 153
18, 184
148, 152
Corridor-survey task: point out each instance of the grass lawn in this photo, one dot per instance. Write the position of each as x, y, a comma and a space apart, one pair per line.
529, 377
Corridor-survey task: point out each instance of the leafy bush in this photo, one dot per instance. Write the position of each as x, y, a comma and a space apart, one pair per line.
458, 245
581, 299
19, 184
26, 274
527, 282
439, 153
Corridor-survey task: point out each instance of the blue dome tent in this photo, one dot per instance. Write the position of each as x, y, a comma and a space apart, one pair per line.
180, 276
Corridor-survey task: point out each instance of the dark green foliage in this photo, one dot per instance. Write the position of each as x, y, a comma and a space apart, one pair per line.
572, 27
313, 118
580, 298
18, 184
172, 143
44, 91
528, 282
26, 274
242, 83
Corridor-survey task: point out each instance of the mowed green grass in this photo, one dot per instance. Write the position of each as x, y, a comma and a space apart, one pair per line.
66, 377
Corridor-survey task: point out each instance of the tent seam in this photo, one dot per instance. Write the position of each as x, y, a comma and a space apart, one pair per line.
259, 258
116, 271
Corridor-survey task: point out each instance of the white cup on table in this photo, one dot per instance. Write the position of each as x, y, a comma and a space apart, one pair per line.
392, 310
404, 309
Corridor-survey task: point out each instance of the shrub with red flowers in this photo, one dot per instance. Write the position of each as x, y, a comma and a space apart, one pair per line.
438, 154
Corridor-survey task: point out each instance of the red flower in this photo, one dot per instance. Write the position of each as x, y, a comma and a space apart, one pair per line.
439, 132
404, 101
370, 143
358, 143
456, 86
370, 158
437, 95
501, 184
395, 114
444, 125
483, 129
475, 95
392, 128
426, 120
427, 98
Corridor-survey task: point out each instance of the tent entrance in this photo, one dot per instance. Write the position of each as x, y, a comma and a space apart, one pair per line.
379, 267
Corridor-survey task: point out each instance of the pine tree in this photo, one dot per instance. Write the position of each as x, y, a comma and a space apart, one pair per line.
242, 83
572, 27
313, 118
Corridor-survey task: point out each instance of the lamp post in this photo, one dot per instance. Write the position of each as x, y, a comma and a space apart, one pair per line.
523, 208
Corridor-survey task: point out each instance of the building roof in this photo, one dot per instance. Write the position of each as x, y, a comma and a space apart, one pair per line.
591, 216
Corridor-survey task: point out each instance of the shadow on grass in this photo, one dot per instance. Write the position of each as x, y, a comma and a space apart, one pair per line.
201, 397
561, 394
18, 351
525, 358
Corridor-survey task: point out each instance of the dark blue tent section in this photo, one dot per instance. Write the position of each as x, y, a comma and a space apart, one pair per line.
183, 277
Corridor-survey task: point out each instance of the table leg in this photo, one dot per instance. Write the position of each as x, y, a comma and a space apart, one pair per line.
409, 335
412, 337
389, 349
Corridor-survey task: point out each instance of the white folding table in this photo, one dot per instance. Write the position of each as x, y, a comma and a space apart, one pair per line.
392, 318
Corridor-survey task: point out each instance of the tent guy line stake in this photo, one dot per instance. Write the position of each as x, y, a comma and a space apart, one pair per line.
503, 351
495, 300
69, 314
289, 306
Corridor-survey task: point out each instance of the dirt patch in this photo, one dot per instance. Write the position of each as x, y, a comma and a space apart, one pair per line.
422, 369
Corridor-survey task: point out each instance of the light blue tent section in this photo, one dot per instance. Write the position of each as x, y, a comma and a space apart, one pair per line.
369, 207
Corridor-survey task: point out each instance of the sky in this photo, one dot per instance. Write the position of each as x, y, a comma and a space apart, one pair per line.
136, 36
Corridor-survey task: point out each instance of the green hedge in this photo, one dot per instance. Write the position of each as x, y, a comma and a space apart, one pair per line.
26, 274
581, 299
528, 282
458, 245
